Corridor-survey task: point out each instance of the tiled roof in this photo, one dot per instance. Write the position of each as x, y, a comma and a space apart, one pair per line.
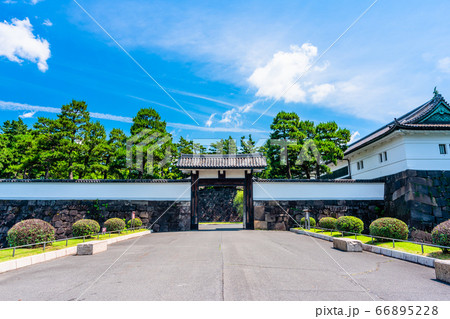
409, 121
221, 161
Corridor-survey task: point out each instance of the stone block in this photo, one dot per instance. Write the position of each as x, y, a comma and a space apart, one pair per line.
61, 253
92, 247
280, 226
50, 255
7, 266
398, 254
442, 270
23, 262
410, 257
36, 259
386, 252
426, 261
347, 244
260, 224
270, 218
259, 213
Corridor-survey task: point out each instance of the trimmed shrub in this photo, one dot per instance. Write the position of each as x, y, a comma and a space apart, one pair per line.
328, 222
85, 227
114, 224
389, 227
30, 231
441, 235
350, 224
137, 222
312, 222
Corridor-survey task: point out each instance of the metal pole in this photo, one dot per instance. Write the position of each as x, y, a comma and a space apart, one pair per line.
83, 239
422, 248
393, 243
371, 238
67, 242
14, 251
44, 246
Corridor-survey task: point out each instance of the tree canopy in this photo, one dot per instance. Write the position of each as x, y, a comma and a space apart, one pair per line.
72, 146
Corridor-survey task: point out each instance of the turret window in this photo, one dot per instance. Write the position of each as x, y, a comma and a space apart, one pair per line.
442, 149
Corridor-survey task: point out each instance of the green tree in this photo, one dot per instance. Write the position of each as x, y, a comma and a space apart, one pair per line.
331, 142
150, 138
248, 146
227, 146
115, 159
71, 127
16, 138
47, 147
91, 160
284, 146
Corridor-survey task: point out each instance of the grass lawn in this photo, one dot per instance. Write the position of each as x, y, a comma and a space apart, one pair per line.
6, 254
219, 223
400, 246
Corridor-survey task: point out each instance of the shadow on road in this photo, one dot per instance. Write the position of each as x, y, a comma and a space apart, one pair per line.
220, 227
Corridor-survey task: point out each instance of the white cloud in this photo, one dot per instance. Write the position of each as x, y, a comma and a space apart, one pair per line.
210, 120
35, 1
47, 23
444, 65
354, 137
275, 79
17, 42
233, 116
320, 92
13, 106
27, 115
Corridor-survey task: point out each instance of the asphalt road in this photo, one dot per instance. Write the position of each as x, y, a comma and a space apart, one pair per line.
224, 264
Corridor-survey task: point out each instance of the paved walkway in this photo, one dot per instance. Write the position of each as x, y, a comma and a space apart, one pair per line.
224, 263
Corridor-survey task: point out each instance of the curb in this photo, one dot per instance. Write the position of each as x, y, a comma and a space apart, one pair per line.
417, 259
51, 255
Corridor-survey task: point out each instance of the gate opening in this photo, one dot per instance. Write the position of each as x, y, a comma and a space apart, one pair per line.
221, 207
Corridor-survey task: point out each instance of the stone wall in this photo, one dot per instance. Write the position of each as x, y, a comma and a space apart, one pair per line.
272, 215
216, 205
63, 213
419, 198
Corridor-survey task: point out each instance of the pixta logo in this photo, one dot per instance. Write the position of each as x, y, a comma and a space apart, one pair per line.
141, 150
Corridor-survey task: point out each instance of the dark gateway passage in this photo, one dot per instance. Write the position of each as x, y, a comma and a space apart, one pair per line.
220, 204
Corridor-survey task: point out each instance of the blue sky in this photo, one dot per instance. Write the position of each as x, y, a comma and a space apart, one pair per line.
224, 62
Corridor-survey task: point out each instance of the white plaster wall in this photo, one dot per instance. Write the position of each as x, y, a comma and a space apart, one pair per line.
86, 191
422, 151
406, 150
213, 173
317, 191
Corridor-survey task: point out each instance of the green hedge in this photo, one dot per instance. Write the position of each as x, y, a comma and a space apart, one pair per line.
350, 224
389, 227
134, 223
328, 222
441, 235
30, 231
85, 227
114, 224
312, 222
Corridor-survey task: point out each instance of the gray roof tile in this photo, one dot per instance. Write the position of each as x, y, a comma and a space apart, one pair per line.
221, 161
